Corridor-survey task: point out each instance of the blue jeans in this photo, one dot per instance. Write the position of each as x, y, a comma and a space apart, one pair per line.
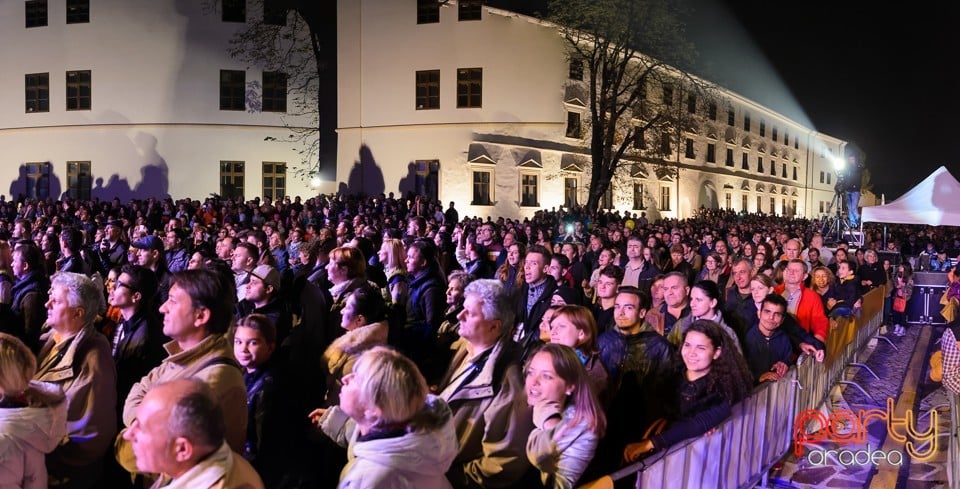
853, 208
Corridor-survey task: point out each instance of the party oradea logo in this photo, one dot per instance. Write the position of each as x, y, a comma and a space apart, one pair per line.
846, 427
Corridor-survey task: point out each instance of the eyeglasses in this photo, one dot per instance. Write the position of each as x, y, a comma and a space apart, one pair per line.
126, 286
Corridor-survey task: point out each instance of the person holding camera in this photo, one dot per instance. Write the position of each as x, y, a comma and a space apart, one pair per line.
850, 186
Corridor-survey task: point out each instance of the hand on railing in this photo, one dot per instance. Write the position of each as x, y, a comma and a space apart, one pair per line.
633, 451
809, 349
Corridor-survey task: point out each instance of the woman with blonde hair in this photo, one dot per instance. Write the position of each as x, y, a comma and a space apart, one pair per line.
395, 432
391, 256
33, 418
568, 418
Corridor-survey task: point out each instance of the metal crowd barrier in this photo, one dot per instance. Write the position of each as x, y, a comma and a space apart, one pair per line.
953, 449
760, 430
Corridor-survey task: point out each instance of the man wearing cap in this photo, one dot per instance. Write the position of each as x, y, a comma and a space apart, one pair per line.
150, 248
112, 250
263, 297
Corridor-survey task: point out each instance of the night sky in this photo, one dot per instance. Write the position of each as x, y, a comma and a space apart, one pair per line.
879, 75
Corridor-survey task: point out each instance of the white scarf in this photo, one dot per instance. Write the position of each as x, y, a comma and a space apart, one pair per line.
206, 473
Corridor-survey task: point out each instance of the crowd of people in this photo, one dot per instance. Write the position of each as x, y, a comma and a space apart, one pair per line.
361, 341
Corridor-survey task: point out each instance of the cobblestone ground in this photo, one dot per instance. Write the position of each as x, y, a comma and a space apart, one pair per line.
891, 366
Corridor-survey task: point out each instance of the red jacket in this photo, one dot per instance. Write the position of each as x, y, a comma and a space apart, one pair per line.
810, 313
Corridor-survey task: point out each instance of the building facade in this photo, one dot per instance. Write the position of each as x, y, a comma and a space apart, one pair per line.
112, 98
482, 106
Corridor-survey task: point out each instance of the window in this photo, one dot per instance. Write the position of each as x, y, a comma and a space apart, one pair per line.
573, 125
38, 180
78, 11
274, 180
665, 144
759, 164
712, 111
759, 204
786, 138
743, 203
639, 138
821, 177
667, 94
274, 91
234, 10
481, 188
774, 134
570, 191
828, 179
469, 87
793, 207
729, 161
37, 87
428, 11
729, 201
691, 104
783, 171
796, 143
664, 198
606, 200
529, 190
469, 9
821, 207
576, 69
773, 205
688, 149
638, 191
744, 163
232, 84
35, 13
783, 207
773, 167
78, 90
274, 13
711, 153
78, 180
746, 122
231, 179
794, 173
428, 89
731, 118
763, 128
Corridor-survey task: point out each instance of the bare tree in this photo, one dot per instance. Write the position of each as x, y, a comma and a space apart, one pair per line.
631, 54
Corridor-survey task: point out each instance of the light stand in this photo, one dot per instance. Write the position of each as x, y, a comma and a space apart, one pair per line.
834, 226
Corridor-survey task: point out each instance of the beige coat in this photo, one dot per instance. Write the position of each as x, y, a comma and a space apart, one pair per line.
344, 351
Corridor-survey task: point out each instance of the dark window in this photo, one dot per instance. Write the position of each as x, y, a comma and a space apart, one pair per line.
529, 191
759, 164
606, 200
231, 179
274, 180
691, 104
794, 173
711, 153
428, 90
821, 177
665, 144
746, 123
638, 191
570, 185
786, 138
774, 134
744, 164
469, 9
38, 180
759, 203
763, 128
731, 118
688, 149
232, 90
469, 87
274, 13
639, 139
773, 167
783, 171
78, 90
712, 111
78, 180
573, 125
428, 11
729, 157
35, 13
743, 203
37, 87
773, 205
821, 206
796, 143
234, 10
576, 69
78, 11
274, 91
481, 188
828, 179
667, 94
664, 198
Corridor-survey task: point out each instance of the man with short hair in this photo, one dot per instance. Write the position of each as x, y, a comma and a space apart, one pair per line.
768, 349
263, 297
138, 340
738, 292
487, 236
196, 317
485, 390
826, 256
676, 305
426, 302
791, 251
805, 304
533, 299
224, 248
639, 270
243, 261
29, 293
175, 252
179, 433
150, 255
607, 285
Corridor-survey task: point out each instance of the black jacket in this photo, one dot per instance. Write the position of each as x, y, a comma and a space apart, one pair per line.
139, 351
527, 329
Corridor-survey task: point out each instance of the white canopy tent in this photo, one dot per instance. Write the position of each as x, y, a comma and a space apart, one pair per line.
935, 201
